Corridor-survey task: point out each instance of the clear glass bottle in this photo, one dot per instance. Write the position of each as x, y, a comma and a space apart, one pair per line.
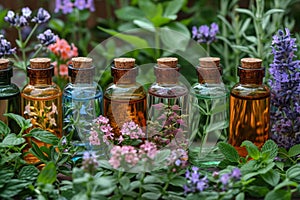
249, 106
209, 117
170, 92
125, 99
41, 101
82, 101
9, 95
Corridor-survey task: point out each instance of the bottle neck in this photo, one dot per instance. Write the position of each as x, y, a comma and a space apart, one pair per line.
209, 75
40, 76
251, 76
168, 76
81, 75
124, 76
5, 76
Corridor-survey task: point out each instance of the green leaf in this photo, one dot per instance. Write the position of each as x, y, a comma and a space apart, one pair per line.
252, 149
162, 156
294, 150
23, 123
145, 24
12, 188
48, 174
286, 183
272, 177
270, 146
152, 179
151, 195
4, 129
44, 136
12, 140
257, 191
178, 181
293, 171
35, 150
150, 9
137, 42
29, 172
273, 11
229, 151
240, 196
125, 182
266, 168
57, 24
135, 13
278, 195
172, 8
245, 11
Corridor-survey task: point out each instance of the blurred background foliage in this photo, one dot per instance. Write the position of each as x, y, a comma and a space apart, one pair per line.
246, 30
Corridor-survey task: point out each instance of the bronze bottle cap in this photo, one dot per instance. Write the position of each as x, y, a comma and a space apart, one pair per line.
82, 62
167, 62
124, 63
251, 63
4, 63
40, 63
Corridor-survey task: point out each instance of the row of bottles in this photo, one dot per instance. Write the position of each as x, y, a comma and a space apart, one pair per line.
206, 104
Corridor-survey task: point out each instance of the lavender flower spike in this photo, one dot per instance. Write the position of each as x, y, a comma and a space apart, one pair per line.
5, 47
47, 38
285, 90
205, 34
58, 6
67, 7
80, 4
26, 12
42, 16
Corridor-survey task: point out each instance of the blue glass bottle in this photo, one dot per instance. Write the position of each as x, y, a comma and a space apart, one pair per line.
82, 101
210, 117
9, 95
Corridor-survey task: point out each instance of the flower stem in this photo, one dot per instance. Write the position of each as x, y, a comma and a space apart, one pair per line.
30, 34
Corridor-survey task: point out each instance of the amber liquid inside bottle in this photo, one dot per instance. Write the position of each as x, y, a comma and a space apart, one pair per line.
249, 119
121, 110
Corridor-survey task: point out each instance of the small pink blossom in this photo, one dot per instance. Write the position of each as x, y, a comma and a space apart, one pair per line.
27, 109
94, 139
149, 148
54, 108
132, 130
52, 122
123, 154
158, 106
175, 107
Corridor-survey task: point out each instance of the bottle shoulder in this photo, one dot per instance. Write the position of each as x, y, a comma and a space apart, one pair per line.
134, 91
9, 90
168, 90
250, 90
210, 90
41, 90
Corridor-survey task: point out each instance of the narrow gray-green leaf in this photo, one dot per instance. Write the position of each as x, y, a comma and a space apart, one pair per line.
48, 174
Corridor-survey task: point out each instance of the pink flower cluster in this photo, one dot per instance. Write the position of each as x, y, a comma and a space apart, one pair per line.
121, 154
129, 156
130, 131
100, 125
63, 49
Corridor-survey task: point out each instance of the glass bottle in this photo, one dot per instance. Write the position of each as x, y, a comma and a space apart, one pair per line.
41, 101
82, 100
9, 95
209, 117
125, 99
249, 106
168, 92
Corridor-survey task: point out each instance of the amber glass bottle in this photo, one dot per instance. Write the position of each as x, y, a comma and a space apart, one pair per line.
170, 92
82, 100
209, 114
9, 95
249, 106
41, 101
125, 99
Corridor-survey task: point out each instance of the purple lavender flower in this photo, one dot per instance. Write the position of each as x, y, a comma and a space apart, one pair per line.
202, 184
89, 162
42, 16
195, 181
5, 47
26, 12
224, 179
47, 38
67, 7
58, 6
236, 173
205, 34
285, 90
90, 5
80, 4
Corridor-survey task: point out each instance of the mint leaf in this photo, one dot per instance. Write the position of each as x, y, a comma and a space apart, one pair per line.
29, 173
44, 136
21, 121
125, 182
229, 151
294, 150
4, 129
12, 140
252, 149
48, 174
272, 177
278, 195
293, 171
271, 147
